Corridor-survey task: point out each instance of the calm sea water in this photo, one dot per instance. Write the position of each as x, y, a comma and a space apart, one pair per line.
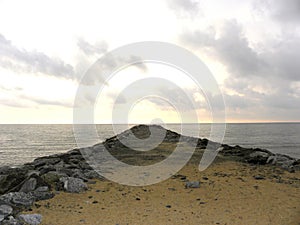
23, 143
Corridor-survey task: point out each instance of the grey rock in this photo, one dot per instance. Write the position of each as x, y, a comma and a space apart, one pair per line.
10, 220
29, 185
192, 184
42, 195
45, 161
42, 189
5, 210
258, 157
73, 185
283, 161
31, 219
19, 199
2, 217
33, 172
92, 174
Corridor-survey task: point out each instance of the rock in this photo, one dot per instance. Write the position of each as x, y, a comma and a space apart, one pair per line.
192, 184
259, 177
92, 174
10, 220
45, 161
31, 219
42, 189
283, 161
42, 195
258, 157
52, 177
18, 199
5, 210
29, 185
73, 185
11, 180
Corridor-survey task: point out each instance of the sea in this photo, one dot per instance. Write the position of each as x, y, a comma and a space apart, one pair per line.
23, 143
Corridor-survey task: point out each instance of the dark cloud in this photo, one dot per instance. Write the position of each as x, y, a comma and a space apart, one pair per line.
20, 60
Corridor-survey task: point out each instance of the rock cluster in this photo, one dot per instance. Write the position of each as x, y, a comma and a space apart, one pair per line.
22, 186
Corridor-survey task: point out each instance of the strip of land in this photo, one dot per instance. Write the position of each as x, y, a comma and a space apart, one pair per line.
242, 186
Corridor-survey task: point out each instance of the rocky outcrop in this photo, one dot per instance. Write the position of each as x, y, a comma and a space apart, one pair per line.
21, 187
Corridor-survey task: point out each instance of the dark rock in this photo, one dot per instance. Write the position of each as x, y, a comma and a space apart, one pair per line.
259, 177
12, 180
73, 185
29, 185
46, 169
31, 219
45, 161
192, 184
168, 206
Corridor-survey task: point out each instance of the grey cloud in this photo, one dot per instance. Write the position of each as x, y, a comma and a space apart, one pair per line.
282, 11
105, 66
89, 49
21, 60
184, 7
231, 48
263, 78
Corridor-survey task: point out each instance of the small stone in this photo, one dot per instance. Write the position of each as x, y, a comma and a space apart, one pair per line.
95, 202
169, 206
259, 177
138, 199
192, 184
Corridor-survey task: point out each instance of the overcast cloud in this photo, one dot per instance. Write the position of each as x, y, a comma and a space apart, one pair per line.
257, 43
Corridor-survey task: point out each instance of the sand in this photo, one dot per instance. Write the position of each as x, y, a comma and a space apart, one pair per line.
229, 194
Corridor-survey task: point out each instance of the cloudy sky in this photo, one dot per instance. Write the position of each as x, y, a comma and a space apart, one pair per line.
251, 47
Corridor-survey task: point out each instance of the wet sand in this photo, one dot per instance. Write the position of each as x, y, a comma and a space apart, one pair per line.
228, 194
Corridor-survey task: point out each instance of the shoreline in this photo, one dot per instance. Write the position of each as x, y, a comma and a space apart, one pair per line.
48, 178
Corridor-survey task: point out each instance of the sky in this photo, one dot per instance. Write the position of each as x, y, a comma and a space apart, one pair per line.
252, 48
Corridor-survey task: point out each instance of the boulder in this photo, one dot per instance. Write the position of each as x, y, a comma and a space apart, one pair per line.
11, 180
258, 157
10, 220
51, 177
31, 219
45, 161
284, 161
5, 210
18, 199
29, 185
42, 193
73, 185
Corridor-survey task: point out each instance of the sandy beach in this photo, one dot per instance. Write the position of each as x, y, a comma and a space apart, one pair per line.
230, 193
